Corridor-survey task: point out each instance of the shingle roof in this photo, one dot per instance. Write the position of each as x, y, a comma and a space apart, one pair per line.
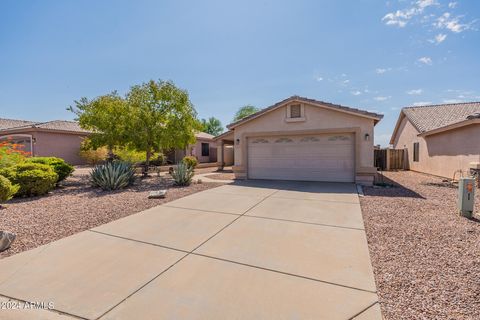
307, 100
58, 125
431, 117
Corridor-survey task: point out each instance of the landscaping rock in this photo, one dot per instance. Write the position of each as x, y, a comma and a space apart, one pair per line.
6, 240
159, 194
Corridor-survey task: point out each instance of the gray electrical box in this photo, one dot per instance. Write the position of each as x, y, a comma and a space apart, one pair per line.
466, 196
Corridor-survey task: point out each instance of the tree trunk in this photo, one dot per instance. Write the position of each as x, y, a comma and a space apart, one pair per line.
110, 155
147, 163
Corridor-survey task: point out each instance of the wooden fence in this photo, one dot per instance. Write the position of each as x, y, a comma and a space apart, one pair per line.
390, 159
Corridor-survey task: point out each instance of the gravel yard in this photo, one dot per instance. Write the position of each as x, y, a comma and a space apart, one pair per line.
76, 207
426, 257
222, 176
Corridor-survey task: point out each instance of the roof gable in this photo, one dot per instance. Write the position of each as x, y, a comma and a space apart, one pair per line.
327, 105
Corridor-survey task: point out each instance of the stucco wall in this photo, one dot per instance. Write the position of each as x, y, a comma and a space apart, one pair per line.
316, 118
62, 145
196, 150
443, 153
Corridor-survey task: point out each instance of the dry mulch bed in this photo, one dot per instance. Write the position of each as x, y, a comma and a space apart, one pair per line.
76, 207
426, 257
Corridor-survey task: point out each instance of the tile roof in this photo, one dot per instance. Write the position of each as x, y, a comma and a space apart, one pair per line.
59, 125
204, 135
10, 123
431, 117
307, 100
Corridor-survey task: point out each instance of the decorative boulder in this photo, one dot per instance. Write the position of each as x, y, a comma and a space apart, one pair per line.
6, 239
157, 194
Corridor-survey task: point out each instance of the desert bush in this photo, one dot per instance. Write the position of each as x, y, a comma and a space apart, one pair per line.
112, 175
7, 189
61, 168
34, 179
11, 154
183, 174
190, 161
129, 155
93, 157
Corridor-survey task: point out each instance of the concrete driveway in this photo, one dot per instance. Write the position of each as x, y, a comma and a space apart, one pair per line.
252, 250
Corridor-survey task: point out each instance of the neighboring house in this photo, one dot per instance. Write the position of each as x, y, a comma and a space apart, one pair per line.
439, 139
204, 149
56, 138
303, 139
60, 138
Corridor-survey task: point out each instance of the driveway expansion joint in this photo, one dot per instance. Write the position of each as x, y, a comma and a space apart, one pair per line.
304, 222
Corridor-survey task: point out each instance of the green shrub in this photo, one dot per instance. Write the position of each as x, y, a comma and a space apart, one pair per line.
128, 155
62, 169
7, 189
34, 179
11, 153
183, 174
112, 175
190, 161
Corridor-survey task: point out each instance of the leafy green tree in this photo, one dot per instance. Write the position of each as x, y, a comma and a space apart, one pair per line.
107, 118
245, 111
161, 117
212, 126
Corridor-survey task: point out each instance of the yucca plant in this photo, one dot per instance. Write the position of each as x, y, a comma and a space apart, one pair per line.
183, 174
112, 175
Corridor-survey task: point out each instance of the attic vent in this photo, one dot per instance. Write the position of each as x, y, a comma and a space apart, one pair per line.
474, 116
295, 111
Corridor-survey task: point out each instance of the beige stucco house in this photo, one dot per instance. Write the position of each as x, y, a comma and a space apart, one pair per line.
56, 138
440, 139
303, 139
60, 138
204, 149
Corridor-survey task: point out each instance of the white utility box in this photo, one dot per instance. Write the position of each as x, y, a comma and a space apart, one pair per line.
466, 196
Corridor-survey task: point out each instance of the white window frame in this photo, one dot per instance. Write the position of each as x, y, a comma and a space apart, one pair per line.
288, 117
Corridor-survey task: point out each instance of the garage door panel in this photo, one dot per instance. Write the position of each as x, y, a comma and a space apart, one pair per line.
326, 157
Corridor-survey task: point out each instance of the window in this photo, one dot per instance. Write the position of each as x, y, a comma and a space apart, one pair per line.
295, 111
415, 151
205, 149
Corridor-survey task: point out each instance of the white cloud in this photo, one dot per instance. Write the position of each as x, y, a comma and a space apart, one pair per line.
439, 38
382, 70
346, 81
452, 101
425, 60
421, 103
400, 18
452, 5
381, 98
356, 93
415, 91
319, 78
446, 21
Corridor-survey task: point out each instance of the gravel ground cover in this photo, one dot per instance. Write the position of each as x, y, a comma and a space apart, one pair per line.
222, 176
426, 257
76, 207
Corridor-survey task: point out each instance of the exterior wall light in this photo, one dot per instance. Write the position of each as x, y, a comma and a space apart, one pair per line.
238, 141
367, 137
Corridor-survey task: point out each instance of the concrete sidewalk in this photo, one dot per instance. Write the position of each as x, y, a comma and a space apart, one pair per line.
250, 250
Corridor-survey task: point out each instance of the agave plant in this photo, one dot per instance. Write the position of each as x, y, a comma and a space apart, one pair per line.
183, 174
112, 175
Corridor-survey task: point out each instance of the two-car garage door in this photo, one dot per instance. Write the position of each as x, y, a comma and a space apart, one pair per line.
322, 157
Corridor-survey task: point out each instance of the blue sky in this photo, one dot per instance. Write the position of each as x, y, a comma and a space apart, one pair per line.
374, 55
